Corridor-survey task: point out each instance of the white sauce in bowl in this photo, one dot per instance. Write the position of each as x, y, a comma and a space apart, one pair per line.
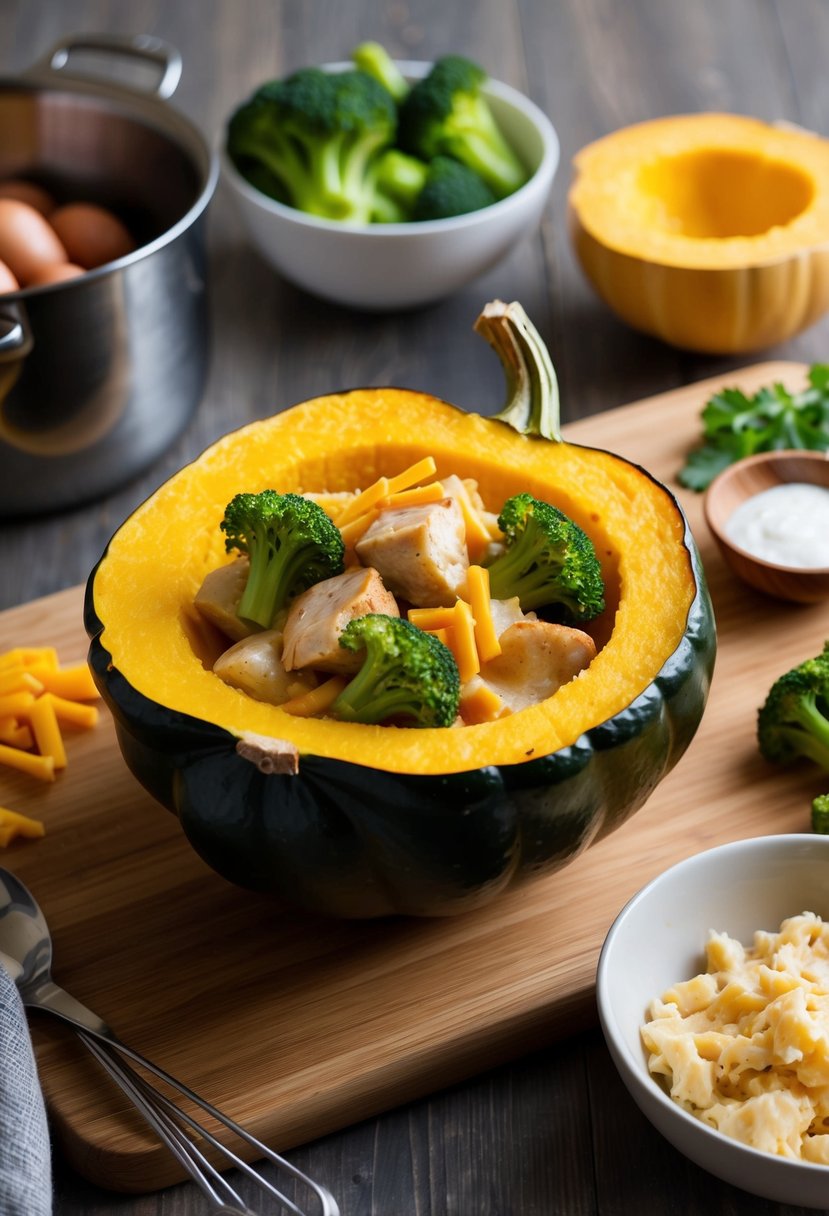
787, 525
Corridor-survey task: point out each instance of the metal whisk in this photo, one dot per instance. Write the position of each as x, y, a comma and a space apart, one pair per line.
26, 952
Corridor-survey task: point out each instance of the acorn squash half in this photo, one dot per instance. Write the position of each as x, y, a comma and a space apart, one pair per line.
710, 231
371, 820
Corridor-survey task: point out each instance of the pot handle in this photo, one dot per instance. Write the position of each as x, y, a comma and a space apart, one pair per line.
146, 47
15, 336
15, 344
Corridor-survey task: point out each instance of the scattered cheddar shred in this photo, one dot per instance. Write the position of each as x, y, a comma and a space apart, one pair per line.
13, 824
37, 695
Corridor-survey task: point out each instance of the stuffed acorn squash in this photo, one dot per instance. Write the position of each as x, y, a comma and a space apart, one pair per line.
365, 820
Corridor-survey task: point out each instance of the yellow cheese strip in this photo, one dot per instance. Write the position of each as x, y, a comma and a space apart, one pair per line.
16, 734
411, 476
431, 619
72, 711
353, 530
13, 824
462, 642
364, 502
74, 683
44, 724
26, 656
317, 700
36, 766
18, 679
482, 704
420, 496
486, 639
16, 703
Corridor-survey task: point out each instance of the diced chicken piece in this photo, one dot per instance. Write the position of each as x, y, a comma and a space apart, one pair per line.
505, 613
420, 552
536, 659
318, 616
255, 666
218, 599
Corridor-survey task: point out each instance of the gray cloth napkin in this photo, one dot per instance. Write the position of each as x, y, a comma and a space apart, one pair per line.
25, 1160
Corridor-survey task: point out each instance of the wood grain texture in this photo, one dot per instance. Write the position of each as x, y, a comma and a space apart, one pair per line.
297, 1026
553, 1131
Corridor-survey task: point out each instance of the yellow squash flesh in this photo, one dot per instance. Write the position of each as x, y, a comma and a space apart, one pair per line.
145, 585
710, 231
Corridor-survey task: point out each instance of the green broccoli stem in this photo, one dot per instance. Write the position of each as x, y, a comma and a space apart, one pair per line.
272, 574
518, 572
374, 60
532, 405
484, 148
360, 700
815, 743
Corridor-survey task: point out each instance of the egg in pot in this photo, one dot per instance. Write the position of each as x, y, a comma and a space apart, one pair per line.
7, 280
27, 241
91, 235
28, 192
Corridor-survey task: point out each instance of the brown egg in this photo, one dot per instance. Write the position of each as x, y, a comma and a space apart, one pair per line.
56, 273
7, 280
91, 234
27, 242
28, 192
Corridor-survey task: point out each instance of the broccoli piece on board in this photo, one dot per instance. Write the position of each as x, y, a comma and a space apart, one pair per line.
408, 675
447, 114
318, 134
820, 814
548, 560
794, 721
291, 544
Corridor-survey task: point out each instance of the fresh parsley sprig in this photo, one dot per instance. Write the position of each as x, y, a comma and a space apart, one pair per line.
735, 425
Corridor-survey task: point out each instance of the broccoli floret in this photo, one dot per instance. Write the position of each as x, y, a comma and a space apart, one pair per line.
446, 114
318, 133
291, 544
794, 721
410, 189
548, 560
374, 60
407, 675
451, 188
820, 814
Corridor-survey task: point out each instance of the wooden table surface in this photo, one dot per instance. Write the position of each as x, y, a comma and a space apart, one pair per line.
554, 1132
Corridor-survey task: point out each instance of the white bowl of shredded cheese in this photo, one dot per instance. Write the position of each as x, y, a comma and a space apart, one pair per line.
713, 994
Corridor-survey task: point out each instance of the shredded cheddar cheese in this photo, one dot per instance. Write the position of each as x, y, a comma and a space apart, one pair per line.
36, 695
13, 824
745, 1046
411, 476
486, 637
418, 497
317, 700
363, 502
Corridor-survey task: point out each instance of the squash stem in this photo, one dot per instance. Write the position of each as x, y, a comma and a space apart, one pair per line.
532, 405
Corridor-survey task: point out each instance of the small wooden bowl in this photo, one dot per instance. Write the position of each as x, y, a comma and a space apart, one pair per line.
743, 480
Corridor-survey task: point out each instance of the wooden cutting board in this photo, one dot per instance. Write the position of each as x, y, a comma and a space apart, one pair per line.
298, 1026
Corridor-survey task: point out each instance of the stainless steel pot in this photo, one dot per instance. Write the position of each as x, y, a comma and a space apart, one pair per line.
99, 374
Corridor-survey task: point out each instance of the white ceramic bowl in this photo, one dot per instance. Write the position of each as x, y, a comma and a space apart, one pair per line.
659, 938
388, 266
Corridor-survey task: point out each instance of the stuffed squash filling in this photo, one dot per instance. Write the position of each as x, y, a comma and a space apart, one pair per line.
407, 603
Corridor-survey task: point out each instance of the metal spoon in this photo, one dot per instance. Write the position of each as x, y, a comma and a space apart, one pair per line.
26, 953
